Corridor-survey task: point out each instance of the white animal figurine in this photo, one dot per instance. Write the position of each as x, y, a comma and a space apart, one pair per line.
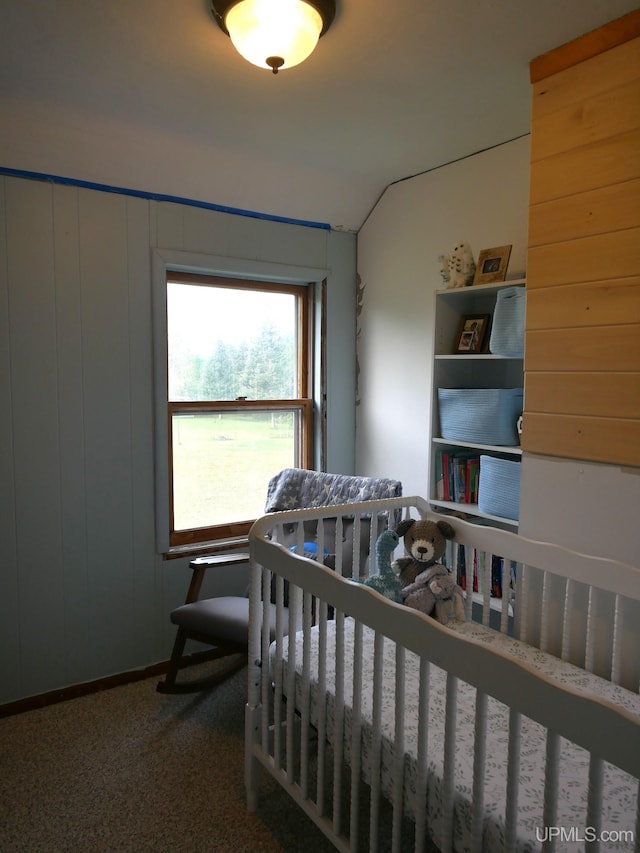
458, 268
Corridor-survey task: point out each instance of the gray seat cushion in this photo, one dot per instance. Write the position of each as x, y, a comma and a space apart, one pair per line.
224, 618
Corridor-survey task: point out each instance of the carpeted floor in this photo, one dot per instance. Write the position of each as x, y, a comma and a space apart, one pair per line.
129, 769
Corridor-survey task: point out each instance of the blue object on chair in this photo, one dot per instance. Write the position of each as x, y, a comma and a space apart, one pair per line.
309, 549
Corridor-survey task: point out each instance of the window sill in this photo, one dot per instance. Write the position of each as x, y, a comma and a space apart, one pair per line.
198, 549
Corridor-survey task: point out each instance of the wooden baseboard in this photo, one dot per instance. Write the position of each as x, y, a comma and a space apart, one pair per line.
42, 700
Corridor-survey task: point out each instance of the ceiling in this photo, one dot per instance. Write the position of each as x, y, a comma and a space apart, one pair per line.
151, 95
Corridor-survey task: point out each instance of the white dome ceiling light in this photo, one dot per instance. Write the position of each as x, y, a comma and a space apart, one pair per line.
276, 34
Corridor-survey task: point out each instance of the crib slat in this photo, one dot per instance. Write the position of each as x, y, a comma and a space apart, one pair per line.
305, 722
338, 745
294, 621
355, 551
551, 777
423, 754
448, 779
322, 706
398, 751
479, 761
522, 600
589, 654
469, 557
265, 639
513, 780
506, 597
278, 688
544, 621
252, 730
567, 620
356, 732
616, 651
337, 545
594, 801
376, 742
486, 588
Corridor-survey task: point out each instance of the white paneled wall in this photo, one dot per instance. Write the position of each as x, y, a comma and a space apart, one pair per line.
83, 593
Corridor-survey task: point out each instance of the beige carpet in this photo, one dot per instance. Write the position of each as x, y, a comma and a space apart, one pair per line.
129, 769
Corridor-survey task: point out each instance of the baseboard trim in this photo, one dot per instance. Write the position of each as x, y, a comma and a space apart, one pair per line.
74, 691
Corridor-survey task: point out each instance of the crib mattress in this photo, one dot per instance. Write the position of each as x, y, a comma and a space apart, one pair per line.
619, 799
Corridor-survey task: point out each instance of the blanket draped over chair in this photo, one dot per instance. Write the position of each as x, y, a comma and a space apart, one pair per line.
294, 488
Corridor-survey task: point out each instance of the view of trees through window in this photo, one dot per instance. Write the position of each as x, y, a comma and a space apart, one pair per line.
259, 368
237, 399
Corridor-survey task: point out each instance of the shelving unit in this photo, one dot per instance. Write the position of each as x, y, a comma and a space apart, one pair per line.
476, 370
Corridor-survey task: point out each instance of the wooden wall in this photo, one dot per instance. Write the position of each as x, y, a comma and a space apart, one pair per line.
582, 355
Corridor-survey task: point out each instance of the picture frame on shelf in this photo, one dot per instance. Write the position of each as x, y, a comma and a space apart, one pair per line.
492, 265
472, 334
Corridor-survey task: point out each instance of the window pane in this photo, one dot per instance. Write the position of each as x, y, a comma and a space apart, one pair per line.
226, 342
223, 463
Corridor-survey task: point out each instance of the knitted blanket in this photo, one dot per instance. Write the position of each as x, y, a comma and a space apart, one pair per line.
297, 488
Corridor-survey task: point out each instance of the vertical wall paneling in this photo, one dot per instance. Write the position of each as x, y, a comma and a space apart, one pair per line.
9, 622
107, 416
36, 439
84, 592
340, 348
583, 270
70, 388
145, 568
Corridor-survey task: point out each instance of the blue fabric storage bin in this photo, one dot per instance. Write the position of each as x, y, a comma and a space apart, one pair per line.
480, 415
507, 326
499, 487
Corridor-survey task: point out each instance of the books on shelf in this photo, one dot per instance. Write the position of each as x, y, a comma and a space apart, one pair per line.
457, 476
471, 571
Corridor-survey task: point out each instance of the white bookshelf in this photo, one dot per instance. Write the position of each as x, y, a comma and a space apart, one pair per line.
474, 370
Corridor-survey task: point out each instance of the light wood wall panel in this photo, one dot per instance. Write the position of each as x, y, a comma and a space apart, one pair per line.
614, 254
599, 164
577, 437
586, 214
593, 119
582, 350
615, 395
603, 303
587, 348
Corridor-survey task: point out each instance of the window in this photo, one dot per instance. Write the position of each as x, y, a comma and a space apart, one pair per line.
238, 399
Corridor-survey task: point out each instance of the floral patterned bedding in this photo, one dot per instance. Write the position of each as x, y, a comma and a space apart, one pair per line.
620, 789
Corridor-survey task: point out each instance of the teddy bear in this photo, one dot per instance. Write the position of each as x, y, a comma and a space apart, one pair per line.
458, 268
426, 584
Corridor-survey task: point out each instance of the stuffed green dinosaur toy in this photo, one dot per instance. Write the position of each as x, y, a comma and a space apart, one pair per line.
385, 580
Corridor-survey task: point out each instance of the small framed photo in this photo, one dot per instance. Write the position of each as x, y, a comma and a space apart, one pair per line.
492, 265
472, 333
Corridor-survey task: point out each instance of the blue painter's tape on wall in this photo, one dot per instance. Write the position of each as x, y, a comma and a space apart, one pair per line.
220, 208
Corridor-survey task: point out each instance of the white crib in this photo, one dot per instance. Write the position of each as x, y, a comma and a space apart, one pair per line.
518, 729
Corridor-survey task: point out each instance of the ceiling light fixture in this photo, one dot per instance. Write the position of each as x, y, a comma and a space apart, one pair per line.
274, 33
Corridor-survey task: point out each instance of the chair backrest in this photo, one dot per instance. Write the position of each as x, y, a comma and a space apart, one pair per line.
298, 488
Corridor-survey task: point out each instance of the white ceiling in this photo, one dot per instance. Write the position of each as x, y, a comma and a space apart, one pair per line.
151, 95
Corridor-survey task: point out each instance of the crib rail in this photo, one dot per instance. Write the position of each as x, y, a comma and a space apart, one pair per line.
318, 701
